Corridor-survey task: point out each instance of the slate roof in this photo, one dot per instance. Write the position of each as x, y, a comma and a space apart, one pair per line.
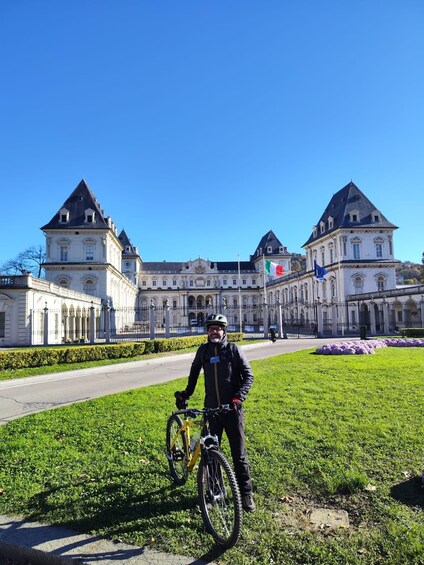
80, 200
348, 199
269, 240
180, 267
125, 241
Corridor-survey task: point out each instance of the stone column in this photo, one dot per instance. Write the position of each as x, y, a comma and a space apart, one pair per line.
152, 321
265, 320
422, 311
371, 308
333, 320
92, 324
319, 319
46, 325
167, 320
280, 321
106, 311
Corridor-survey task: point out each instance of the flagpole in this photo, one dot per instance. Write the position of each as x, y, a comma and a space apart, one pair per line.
239, 281
263, 261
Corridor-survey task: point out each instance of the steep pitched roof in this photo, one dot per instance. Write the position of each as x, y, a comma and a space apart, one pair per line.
76, 204
269, 240
128, 248
350, 199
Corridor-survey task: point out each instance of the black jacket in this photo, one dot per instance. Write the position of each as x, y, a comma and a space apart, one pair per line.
227, 373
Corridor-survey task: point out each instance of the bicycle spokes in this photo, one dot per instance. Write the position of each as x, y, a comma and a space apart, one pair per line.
220, 499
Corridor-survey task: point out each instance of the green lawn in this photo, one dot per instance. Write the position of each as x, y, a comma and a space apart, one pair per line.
335, 432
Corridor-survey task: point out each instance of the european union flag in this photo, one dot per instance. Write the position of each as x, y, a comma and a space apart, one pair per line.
320, 272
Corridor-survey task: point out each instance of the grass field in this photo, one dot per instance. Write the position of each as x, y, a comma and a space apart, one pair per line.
343, 433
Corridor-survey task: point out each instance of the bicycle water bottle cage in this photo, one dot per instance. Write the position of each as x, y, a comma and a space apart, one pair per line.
209, 441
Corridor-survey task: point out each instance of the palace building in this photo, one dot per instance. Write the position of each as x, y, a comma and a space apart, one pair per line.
98, 287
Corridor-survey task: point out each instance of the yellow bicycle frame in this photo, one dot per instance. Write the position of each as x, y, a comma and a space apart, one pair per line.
191, 457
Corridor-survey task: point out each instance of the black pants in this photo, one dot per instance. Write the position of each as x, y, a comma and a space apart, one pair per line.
233, 424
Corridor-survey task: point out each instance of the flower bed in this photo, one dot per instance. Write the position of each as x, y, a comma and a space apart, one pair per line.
402, 342
365, 347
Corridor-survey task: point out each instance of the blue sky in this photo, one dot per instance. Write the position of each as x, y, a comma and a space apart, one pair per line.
200, 125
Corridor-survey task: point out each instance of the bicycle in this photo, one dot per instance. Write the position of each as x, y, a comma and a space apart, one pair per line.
189, 438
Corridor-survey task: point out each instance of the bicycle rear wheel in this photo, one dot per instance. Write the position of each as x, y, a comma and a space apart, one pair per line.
176, 450
220, 500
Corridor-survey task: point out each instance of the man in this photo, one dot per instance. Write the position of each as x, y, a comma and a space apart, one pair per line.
228, 378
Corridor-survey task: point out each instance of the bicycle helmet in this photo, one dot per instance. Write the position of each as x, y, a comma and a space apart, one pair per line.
216, 320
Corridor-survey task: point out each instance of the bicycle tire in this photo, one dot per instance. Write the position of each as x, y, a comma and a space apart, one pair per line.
220, 500
177, 455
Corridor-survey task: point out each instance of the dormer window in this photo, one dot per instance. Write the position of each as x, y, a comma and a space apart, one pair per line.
376, 216
90, 216
330, 222
322, 227
281, 249
354, 216
315, 231
269, 249
64, 216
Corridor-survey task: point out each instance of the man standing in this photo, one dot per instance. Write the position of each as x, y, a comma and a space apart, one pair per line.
228, 378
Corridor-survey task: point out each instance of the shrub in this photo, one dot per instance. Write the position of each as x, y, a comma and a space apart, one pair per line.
412, 332
41, 356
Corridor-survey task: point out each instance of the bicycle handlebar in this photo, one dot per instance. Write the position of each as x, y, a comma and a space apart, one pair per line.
193, 412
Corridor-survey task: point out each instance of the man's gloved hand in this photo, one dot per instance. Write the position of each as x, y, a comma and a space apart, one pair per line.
236, 404
181, 399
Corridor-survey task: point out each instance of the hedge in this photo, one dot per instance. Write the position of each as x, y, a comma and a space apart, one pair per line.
39, 357
412, 332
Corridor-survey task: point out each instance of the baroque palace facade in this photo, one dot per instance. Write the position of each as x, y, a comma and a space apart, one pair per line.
98, 287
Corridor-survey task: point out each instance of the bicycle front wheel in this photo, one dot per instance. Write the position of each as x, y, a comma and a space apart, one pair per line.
176, 450
220, 501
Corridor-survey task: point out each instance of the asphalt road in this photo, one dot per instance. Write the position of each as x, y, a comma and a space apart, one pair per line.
20, 397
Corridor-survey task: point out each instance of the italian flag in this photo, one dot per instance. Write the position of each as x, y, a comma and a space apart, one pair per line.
273, 269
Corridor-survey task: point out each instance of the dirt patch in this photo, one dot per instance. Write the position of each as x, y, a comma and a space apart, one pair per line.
328, 516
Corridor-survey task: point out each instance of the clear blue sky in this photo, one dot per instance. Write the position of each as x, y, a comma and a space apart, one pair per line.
201, 124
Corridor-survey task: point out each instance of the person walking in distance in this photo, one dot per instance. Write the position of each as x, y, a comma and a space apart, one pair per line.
228, 379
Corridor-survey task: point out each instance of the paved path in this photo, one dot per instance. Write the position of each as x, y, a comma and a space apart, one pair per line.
20, 397
24, 542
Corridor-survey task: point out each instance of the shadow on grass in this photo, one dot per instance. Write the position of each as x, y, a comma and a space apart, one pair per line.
409, 492
121, 510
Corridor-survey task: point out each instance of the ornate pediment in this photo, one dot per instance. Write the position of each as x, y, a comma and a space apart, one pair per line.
200, 267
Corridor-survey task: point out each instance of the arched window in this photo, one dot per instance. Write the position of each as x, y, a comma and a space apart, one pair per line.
89, 286
358, 285
380, 283
64, 283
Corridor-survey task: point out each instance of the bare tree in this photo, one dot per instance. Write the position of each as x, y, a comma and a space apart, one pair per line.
28, 261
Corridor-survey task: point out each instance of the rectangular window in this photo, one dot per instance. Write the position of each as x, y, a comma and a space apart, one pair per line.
63, 253
89, 253
174, 283
254, 281
378, 250
163, 283
143, 283
234, 282
154, 283
2, 324
224, 281
243, 281
174, 304
356, 251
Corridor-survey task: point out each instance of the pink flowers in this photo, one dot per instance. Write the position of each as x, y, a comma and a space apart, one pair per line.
365, 347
